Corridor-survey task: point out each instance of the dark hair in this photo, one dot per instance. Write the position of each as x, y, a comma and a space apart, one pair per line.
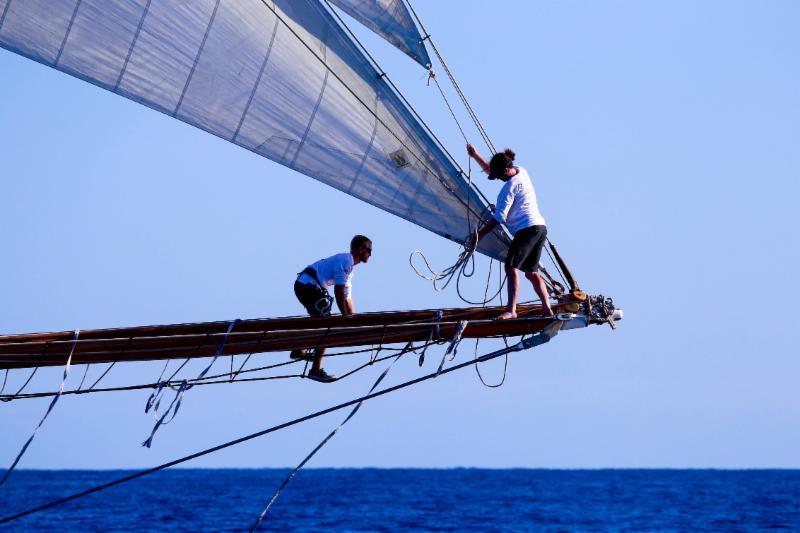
358, 242
500, 161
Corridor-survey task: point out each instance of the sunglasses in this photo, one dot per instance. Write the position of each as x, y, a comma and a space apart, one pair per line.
369, 250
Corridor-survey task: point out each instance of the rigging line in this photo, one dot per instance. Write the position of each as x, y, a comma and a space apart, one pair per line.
85, 373
127, 345
400, 95
175, 405
220, 377
555, 263
93, 385
531, 342
409, 348
36, 369
154, 401
478, 340
124, 388
172, 384
461, 94
5, 380
76, 334
452, 348
432, 76
464, 99
246, 359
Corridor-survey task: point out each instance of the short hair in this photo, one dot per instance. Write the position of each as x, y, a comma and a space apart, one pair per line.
358, 242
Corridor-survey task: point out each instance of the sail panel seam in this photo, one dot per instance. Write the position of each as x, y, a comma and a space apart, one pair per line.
196, 58
69, 30
258, 81
133, 45
5, 11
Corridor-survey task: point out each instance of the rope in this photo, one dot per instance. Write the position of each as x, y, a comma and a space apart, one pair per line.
555, 263
432, 76
433, 337
49, 408
154, 401
478, 340
85, 373
175, 405
93, 385
409, 347
464, 267
246, 359
220, 378
456, 86
108, 369
452, 348
535, 340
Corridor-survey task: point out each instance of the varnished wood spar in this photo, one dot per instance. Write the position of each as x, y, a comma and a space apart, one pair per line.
42, 353
270, 324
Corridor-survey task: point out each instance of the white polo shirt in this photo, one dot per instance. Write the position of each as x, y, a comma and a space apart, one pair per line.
334, 270
516, 203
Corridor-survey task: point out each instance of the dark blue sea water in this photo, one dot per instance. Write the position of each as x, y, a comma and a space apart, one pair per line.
397, 499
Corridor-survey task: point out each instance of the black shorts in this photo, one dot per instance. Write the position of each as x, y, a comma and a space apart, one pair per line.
526, 248
314, 298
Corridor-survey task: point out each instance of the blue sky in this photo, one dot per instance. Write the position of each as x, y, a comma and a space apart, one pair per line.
663, 143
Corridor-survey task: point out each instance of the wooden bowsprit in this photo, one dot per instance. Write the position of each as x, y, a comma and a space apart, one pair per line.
180, 341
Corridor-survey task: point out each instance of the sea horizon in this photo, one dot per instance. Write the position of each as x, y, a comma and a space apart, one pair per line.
394, 499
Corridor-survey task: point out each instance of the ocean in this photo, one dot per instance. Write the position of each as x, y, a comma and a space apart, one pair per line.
413, 499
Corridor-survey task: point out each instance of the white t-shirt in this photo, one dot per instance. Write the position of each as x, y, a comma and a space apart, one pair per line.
334, 270
516, 203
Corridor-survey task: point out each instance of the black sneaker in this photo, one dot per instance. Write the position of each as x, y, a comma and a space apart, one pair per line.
303, 355
321, 376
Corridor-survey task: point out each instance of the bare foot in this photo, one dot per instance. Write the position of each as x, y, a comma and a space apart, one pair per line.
507, 316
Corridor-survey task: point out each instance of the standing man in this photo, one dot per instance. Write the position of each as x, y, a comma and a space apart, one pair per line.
311, 289
518, 209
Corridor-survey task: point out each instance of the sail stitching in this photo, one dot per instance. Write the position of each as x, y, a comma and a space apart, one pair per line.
133, 45
5, 11
258, 81
197, 58
69, 30
314, 112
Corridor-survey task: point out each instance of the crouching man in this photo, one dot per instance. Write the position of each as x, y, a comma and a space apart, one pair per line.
311, 289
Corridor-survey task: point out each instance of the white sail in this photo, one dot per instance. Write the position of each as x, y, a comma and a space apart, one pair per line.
281, 79
391, 20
